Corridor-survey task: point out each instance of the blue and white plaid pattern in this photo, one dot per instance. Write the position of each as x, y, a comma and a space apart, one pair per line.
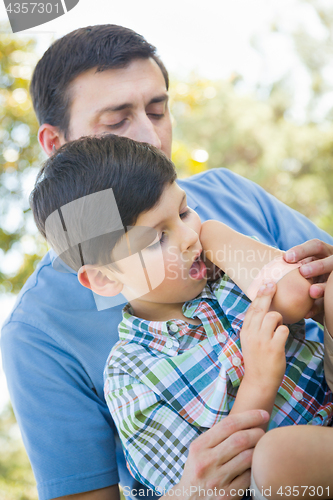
167, 382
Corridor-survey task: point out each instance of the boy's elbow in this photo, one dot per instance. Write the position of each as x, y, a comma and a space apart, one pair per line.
292, 298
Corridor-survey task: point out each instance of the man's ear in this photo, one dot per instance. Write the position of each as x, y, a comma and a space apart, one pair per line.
99, 281
50, 138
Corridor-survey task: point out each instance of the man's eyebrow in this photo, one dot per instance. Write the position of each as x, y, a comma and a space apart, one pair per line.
129, 105
160, 98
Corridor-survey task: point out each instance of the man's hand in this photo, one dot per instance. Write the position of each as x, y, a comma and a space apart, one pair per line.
318, 264
219, 460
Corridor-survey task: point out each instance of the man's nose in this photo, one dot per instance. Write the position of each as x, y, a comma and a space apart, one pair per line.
144, 131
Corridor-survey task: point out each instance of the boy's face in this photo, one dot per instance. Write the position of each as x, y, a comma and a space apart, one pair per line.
130, 102
174, 253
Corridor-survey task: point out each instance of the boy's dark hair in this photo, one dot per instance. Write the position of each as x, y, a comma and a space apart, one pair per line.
102, 47
136, 172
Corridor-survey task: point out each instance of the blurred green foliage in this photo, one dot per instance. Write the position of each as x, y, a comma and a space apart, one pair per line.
216, 125
20, 157
16, 477
219, 127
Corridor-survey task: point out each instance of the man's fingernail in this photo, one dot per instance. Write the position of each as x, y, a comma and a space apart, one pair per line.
291, 256
306, 270
264, 414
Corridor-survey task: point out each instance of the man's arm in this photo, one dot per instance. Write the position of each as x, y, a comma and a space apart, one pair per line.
67, 430
220, 458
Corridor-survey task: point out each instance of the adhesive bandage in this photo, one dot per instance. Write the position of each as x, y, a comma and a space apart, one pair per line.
273, 271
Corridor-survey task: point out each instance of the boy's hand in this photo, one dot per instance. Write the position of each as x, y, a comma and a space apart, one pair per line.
263, 339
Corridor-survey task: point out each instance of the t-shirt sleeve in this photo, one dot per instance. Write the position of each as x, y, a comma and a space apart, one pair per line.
57, 409
155, 437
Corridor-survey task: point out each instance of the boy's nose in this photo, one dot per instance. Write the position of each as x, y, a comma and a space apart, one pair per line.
189, 238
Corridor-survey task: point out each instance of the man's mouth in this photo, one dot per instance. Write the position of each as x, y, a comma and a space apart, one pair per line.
198, 269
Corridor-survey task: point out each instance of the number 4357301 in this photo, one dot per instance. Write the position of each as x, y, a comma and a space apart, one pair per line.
32, 7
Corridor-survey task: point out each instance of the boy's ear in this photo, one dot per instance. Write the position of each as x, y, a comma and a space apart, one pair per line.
99, 281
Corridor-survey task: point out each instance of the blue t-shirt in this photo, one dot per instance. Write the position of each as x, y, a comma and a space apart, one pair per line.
56, 341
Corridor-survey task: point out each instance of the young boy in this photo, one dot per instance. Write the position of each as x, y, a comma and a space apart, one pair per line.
112, 210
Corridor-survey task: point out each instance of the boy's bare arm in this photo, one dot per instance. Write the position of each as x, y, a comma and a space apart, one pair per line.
242, 258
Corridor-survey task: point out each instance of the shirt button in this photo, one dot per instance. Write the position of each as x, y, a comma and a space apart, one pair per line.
174, 328
236, 361
298, 395
221, 337
168, 344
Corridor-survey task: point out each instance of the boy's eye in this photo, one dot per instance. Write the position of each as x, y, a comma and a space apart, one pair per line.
158, 241
185, 214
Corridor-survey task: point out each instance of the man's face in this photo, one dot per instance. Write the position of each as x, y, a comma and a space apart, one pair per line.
174, 254
130, 102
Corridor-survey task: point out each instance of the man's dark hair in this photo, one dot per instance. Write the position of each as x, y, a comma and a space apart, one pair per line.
136, 172
102, 47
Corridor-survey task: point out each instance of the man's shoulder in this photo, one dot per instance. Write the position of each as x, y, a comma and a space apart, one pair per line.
28, 291
45, 295
223, 185
223, 176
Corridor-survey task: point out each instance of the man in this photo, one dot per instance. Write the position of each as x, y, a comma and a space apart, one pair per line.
97, 80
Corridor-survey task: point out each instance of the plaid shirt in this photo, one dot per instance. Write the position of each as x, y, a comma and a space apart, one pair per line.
167, 382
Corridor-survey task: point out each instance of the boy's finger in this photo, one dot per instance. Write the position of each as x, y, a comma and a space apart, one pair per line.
270, 323
259, 307
281, 335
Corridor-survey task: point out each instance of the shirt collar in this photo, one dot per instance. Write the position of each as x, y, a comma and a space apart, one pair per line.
58, 264
144, 331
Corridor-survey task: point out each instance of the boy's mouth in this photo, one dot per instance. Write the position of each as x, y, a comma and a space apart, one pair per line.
198, 269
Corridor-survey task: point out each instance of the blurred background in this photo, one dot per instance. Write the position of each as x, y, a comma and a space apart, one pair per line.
251, 90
